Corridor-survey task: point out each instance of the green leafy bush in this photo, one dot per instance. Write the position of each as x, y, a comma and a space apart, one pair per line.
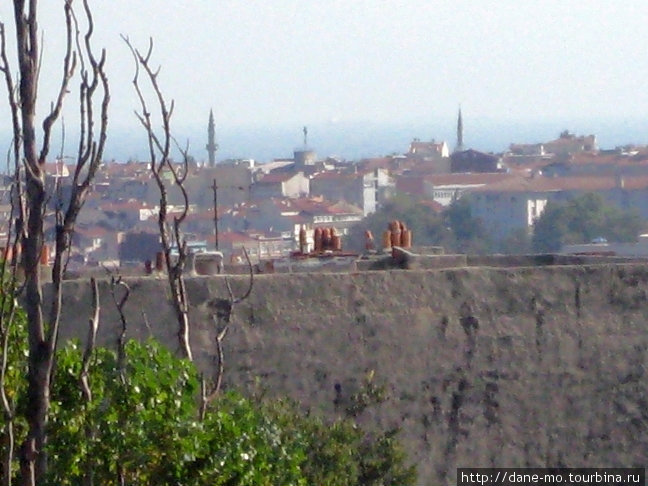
141, 424
581, 220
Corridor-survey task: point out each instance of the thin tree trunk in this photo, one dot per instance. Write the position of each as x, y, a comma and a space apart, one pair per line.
38, 377
42, 333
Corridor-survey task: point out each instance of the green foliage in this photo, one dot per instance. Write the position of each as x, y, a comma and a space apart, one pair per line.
13, 322
16, 327
141, 422
342, 453
368, 395
517, 242
145, 426
243, 445
427, 226
469, 233
455, 228
581, 220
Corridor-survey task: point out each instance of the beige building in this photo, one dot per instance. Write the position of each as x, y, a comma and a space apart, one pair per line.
517, 202
568, 143
280, 184
363, 188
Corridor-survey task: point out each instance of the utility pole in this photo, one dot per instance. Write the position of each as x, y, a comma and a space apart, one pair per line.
215, 189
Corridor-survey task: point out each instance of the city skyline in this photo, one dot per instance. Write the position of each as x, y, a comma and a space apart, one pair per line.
404, 63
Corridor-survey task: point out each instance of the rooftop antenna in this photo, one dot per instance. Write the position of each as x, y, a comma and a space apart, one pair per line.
305, 137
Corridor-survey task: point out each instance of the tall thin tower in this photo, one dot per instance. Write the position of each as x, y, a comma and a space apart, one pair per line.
211, 146
460, 145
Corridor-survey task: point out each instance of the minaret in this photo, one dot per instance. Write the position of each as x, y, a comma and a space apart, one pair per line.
211, 146
459, 146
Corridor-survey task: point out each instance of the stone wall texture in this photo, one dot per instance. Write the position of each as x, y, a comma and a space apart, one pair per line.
502, 367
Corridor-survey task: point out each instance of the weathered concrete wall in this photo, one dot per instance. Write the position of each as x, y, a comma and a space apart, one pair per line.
485, 367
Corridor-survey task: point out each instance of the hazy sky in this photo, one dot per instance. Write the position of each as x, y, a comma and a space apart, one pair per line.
283, 62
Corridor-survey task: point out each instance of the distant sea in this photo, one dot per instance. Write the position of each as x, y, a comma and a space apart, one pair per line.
355, 140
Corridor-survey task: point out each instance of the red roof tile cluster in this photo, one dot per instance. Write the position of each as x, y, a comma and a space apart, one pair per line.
555, 184
316, 206
466, 178
129, 169
276, 177
433, 205
588, 158
376, 163
410, 184
426, 147
336, 176
233, 237
92, 231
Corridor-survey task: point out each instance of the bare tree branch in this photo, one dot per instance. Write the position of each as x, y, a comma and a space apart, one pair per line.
233, 299
84, 379
116, 283
90, 343
17, 131
224, 309
30, 168
206, 397
160, 157
69, 65
89, 155
9, 266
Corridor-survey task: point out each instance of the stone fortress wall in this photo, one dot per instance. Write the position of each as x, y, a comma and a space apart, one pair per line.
507, 367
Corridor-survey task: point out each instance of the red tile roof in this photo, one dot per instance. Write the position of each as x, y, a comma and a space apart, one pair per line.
315, 206
276, 177
410, 184
555, 184
426, 147
207, 214
92, 231
588, 158
376, 163
466, 178
232, 237
433, 205
335, 175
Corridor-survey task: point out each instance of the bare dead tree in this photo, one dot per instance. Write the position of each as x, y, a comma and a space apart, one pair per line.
90, 343
30, 154
17, 198
120, 302
84, 378
223, 309
160, 155
8, 264
160, 147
